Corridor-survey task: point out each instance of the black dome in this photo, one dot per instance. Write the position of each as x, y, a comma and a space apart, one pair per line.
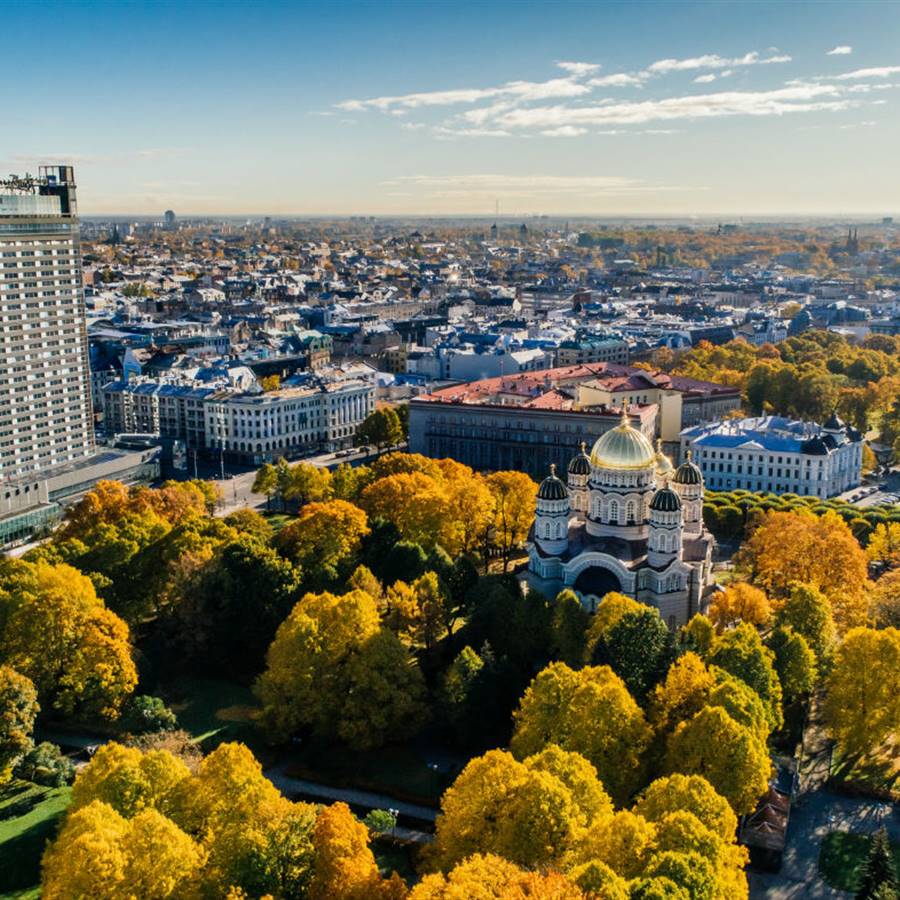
834, 423
552, 488
581, 464
665, 500
688, 472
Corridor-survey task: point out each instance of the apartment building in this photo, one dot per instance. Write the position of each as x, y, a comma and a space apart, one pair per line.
45, 416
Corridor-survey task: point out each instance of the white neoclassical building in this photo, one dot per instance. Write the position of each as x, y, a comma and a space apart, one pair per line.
625, 521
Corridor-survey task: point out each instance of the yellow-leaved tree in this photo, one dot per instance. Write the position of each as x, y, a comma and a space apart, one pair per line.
514, 498
345, 868
58, 633
862, 705
333, 667
590, 712
739, 602
727, 754
323, 537
532, 813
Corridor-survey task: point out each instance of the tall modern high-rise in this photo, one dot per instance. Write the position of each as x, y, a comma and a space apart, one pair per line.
45, 411
47, 453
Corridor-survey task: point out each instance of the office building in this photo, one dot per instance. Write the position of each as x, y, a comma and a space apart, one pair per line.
47, 451
777, 455
46, 418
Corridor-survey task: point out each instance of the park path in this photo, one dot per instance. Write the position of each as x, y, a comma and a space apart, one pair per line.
816, 812
292, 787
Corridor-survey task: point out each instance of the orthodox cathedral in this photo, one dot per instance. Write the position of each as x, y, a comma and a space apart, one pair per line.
625, 521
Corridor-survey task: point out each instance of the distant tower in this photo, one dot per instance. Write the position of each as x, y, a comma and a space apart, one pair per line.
579, 472
169, 219
494, 232
523, 232
853, 241
688, 484
666, 525
551, 521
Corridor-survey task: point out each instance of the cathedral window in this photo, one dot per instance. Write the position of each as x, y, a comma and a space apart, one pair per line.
614, 511
629, 512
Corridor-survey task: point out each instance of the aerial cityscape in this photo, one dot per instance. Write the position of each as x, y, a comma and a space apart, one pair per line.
450, 451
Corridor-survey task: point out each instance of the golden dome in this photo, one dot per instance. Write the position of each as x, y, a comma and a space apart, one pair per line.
664, 467
623, 447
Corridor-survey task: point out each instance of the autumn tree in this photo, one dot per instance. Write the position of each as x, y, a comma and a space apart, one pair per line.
18, 710
884, 600
739, 602
414, 502
862, 705
332, 667
266, 482
820, 551
531, 812
345, 868
101, 854
308, 484
612, 607
514, 498
323, 537
884, 544
725, 753
57, 633
491, 877
589, 712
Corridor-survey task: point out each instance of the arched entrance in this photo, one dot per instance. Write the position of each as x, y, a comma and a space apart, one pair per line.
595, 583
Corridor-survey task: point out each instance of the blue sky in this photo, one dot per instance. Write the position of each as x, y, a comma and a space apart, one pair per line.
722, 109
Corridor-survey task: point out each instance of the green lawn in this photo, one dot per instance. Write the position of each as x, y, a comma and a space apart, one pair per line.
278, 520
29, 815
841, 856
213, 711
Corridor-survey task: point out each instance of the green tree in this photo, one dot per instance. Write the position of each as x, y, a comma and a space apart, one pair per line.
808, 612
878, 877
266, 482
569, 628
639, 648
381, 427
742, 653
795, 662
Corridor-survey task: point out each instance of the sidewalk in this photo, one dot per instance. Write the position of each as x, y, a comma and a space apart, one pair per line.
290, 787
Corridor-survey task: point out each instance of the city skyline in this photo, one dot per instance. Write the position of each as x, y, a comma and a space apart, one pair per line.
571, 109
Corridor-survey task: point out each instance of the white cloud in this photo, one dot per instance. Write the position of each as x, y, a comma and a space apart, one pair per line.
564, 131
705, 79
441, 131
840, 50
877, 72
518, 90
579, 68
412, 126
794, 99
713, 61
618, 79
853, 125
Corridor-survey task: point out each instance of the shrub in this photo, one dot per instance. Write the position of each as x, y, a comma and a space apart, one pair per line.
144, 713
46, 765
